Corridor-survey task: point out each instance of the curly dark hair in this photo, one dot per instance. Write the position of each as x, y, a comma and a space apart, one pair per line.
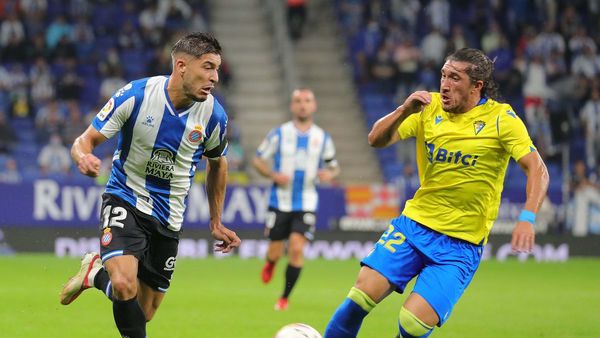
197, 44
481, 69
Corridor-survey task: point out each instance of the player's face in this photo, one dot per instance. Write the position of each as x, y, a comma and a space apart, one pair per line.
200, 76
303, 104
456, 89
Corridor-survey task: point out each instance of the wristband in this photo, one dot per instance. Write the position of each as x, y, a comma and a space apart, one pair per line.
527, 216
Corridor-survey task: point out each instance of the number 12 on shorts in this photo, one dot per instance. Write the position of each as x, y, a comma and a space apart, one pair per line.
112, 217
390, 238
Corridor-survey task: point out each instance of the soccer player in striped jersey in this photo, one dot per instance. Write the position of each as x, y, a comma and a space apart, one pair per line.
302, 155
465, 139
166, 124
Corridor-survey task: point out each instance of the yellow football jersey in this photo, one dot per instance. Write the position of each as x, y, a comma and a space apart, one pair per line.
462, 160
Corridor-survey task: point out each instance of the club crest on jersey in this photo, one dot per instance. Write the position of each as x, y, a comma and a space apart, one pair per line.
108, 107
195, 135
478, 125
161, 164
106, 237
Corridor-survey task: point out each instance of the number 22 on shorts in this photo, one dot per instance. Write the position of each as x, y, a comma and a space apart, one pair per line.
391, 238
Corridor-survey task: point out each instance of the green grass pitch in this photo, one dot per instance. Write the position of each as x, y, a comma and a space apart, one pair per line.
225, 298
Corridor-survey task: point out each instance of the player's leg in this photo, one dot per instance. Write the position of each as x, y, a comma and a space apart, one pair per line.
128, 314
149, 299
302, 229
296, 245
451, 264
370, 288
417, 318
277, 229
156, 269
389, 267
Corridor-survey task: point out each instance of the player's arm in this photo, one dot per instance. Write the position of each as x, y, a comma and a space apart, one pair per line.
266, 150
216, 179
81, 151
537, 185
385, 130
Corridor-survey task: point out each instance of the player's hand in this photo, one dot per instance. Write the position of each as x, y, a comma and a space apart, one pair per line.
416, 102
89, 165
325, 175
280, 179
523, 237
229, 239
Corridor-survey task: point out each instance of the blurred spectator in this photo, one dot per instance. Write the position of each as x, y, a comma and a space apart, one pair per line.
110, 63
12, 38
8, 137
10, 173
579, 40
438, 12
491, 38
29, 7
54, 158
74, 124
457, 40
151, 23
406, 57
383, 70
70, 84
587, 63
296, 17
83, 37
433, 47
175, 13
590, 118
536, 91
57, 30
406, 13
585, 192
42, 81
111, 83
49, 120
129, 37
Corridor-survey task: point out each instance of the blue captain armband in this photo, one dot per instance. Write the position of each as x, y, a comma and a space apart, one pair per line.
527, 216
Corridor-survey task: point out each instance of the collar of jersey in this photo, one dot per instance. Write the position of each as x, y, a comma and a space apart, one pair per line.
172, 109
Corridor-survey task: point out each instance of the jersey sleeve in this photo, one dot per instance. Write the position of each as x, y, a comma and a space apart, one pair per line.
328, 153
409, 127
268, 146
216, 144
111, 118
513, 135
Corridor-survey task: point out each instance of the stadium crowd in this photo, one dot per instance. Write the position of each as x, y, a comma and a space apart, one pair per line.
60, 61
546, 62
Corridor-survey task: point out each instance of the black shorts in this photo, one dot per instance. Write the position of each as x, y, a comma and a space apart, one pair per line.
281, 224
128, 231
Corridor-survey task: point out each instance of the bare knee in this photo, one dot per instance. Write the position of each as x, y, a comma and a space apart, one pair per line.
373, 284
124, 287
296, 255
149, 312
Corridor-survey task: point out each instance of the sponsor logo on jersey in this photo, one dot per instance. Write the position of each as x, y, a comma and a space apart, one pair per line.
148, 121
106, 237
478, 125
161, 164
438, 119
442, 155
170, 264
195, 135
108, 107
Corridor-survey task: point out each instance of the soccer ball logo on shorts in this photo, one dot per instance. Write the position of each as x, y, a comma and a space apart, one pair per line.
297, 330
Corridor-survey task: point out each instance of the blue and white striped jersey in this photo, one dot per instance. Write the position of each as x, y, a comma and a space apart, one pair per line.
159, 146
300, 156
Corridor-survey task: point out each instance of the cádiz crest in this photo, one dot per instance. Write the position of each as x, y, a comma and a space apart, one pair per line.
478, 126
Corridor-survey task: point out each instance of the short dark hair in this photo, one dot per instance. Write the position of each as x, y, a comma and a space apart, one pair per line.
481, 69
197, 44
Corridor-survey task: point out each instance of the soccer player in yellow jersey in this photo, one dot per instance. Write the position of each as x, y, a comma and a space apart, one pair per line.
464, 142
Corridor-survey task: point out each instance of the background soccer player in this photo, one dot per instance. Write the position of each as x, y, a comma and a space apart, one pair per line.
464, 142
302, 155
166, 124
